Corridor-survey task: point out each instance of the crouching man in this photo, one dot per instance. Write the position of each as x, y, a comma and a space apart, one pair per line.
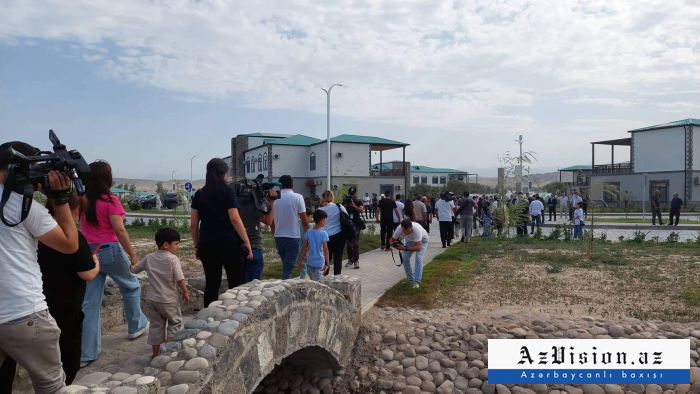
415, 241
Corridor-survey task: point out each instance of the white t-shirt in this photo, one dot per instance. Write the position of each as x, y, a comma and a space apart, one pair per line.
536, 207
418, 233
575, 200
332, 226
366, 200
445, 210
563, 201
21, 288
578, 216
287, 210
399, 207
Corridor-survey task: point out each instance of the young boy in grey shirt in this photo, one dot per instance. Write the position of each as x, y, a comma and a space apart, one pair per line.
164, 277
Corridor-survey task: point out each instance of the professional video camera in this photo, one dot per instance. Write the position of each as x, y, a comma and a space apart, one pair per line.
24, 172
255, 191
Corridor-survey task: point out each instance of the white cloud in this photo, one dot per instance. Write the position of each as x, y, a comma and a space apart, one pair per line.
464, 65
614, 102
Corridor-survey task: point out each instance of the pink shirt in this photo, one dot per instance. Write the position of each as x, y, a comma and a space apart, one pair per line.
103, 233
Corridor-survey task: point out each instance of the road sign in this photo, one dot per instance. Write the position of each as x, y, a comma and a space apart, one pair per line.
188, 186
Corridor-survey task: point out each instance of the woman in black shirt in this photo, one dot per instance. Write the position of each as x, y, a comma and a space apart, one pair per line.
217, 231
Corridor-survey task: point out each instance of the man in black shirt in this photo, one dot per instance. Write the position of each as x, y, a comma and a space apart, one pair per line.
676, 208
656, 208
385, 217
375, 201
355, 208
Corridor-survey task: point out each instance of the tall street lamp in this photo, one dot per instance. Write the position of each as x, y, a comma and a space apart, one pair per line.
191, 168
328, 130
172, 178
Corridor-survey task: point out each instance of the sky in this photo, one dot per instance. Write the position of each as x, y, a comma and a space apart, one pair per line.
146, 85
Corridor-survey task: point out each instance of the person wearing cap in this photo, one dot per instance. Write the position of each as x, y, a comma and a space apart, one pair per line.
252, 219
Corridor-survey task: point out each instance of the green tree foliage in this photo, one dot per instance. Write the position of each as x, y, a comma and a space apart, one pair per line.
120, 186
159, 188
126, 186
132, 189
555, 187
424, 190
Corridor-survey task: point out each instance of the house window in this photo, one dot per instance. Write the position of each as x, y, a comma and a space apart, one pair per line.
312, 162
259, 162
265, 161
461, 178
247, 165
443, 180
662, 187
452, 177
424, 179
435, 180
415, 179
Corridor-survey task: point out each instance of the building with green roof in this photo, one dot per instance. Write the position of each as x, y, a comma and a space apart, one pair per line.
305, 159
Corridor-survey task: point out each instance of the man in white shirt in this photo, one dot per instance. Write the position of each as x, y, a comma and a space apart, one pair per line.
289, 209
399, 209
563, 205
28, 333
415, 241
445, 208
366, 201
536, 210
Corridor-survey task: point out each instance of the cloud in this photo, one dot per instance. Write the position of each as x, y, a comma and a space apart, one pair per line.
456, 64
614, 102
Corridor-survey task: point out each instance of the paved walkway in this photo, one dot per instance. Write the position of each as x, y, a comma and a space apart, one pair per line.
378, 273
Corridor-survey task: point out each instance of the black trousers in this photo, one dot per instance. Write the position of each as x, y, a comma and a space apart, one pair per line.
654, 213
553, 211
447, 229
373, 211
336, 246
217, 255
70, 321
571, 213
676, 214
386, 230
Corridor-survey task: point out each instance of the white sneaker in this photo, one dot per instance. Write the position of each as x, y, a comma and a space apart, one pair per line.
348, 264
416, 285
139, 332
84, 364
357, 265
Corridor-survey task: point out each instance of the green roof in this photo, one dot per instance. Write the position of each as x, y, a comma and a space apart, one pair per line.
582, 167
364, 139
420, 169
426, 169
296, 140
118, 190
678, 123
252, 135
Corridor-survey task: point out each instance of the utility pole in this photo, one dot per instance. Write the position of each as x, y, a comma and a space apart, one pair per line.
519, 167
328, 131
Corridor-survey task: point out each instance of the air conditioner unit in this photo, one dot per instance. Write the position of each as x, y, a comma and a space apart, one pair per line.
696, 180
339, 154
335, 187
318, 182
275, 156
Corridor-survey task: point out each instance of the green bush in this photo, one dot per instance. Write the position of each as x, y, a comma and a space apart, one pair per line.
135, 206
673, 237
639, 236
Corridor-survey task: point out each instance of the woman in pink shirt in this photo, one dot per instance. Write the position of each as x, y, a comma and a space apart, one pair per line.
102, 224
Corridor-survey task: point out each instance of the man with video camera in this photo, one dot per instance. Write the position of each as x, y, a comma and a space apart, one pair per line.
252, 216
28, 333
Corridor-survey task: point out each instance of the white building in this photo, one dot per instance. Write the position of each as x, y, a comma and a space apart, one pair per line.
427, 175
664, 157
304, 158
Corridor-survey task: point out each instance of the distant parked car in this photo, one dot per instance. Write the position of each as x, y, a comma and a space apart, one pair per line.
169, 200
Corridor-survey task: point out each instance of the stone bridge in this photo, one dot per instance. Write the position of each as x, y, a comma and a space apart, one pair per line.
233, 344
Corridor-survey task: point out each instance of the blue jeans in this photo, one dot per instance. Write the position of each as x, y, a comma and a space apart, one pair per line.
417, 275
288, 249
115, 263
578, 231
253, 268
317, 272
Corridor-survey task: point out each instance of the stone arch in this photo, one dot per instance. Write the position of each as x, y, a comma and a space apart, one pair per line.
233, 344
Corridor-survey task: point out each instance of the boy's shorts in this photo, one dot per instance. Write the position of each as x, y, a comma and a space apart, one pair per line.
317, 273
162, 315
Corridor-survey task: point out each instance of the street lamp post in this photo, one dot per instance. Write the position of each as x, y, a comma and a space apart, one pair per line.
189, 195
519, 170
172, 178
191, 168
328, 130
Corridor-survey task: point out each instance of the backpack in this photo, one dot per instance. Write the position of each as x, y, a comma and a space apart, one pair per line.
347, 227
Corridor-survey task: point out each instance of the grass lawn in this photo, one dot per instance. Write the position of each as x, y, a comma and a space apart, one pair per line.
639, 220
178, 212
646, 280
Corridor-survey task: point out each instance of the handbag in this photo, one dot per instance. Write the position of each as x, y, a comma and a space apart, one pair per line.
347, 227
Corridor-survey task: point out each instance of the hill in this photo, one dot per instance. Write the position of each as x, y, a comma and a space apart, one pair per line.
149, 185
